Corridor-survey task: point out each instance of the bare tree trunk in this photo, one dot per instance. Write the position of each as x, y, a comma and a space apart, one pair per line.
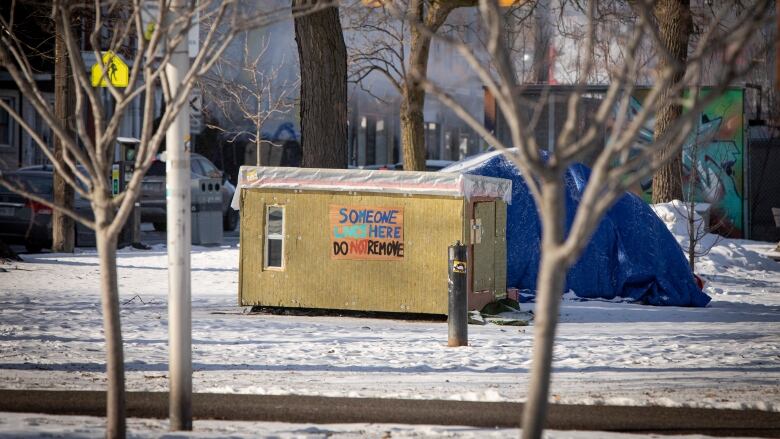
323, 59
258, 147
115, 366
674, 23
693, 228
413, 127
62, 226
691, 236
549, 289
412, 95
541, 59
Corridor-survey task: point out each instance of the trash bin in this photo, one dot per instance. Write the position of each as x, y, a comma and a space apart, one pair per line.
206, 211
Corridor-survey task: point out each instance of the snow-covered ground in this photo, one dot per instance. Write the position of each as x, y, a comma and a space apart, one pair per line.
25, 425
726, 355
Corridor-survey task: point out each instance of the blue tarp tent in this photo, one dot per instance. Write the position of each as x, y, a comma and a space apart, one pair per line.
631, 254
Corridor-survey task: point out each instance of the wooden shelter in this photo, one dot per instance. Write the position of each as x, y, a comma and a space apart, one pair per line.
367, 240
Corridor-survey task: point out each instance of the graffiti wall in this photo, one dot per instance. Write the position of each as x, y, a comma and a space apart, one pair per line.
713, 158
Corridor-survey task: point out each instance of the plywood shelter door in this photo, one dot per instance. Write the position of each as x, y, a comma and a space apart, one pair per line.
483, 239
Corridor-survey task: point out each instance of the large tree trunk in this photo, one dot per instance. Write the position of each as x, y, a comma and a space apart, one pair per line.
112, 330
412, 95
413, 127
62, 226
323, 59
674, 24
549, 289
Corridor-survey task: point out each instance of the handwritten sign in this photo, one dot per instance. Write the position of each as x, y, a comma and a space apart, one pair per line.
366, 232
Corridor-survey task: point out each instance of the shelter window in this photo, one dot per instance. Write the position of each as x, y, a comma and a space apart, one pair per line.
274, 237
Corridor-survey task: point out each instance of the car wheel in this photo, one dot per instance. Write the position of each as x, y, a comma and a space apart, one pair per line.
160, 227
230, 220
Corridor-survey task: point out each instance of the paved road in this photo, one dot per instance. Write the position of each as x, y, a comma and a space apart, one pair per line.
324, 410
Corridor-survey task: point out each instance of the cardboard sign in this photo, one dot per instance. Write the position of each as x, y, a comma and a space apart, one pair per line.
366, 232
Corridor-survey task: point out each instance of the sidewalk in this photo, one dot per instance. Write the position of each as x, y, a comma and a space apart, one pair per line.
324, 410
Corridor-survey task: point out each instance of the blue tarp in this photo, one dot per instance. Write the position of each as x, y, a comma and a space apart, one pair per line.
631, 255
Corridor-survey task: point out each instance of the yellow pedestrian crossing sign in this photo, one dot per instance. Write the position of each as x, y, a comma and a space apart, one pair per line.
118, 72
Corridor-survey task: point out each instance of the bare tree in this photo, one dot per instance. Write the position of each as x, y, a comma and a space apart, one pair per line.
322, 55
619, 164
62, 226
675, 23
700, 240
247, 94
400, 53
115, 27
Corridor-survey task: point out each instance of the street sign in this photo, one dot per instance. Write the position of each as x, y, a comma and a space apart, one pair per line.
196, 111
118, 72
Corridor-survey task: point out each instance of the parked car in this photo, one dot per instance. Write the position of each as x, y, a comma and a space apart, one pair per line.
153, 192
26, 222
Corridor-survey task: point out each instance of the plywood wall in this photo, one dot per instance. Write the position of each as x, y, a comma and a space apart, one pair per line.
416, 283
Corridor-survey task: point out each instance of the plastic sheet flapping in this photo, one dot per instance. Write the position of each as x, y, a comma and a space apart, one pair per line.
348, 180
631, 255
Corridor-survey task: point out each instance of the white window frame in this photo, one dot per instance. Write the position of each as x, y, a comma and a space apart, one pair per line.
12, 125
268, 236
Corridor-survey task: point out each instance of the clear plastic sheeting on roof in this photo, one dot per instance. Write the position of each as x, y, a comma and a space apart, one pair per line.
349, 180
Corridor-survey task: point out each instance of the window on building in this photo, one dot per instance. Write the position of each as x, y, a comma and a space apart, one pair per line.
6, 128
274, 237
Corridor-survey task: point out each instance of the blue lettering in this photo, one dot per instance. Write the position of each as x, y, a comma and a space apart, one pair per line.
355, 231
343, 213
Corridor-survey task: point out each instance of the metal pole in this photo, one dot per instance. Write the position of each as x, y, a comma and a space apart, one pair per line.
178, 201
457, 316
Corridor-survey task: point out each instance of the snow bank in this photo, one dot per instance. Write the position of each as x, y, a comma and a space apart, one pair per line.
713, 251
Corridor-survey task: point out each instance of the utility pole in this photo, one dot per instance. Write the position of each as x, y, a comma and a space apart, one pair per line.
178, 201
62, 226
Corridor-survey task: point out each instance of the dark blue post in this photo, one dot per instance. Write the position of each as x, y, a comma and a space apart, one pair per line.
457, 316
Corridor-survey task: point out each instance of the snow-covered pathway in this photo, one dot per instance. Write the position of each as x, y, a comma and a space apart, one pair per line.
726, 355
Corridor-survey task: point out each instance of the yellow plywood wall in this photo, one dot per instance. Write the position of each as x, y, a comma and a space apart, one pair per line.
417, 283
